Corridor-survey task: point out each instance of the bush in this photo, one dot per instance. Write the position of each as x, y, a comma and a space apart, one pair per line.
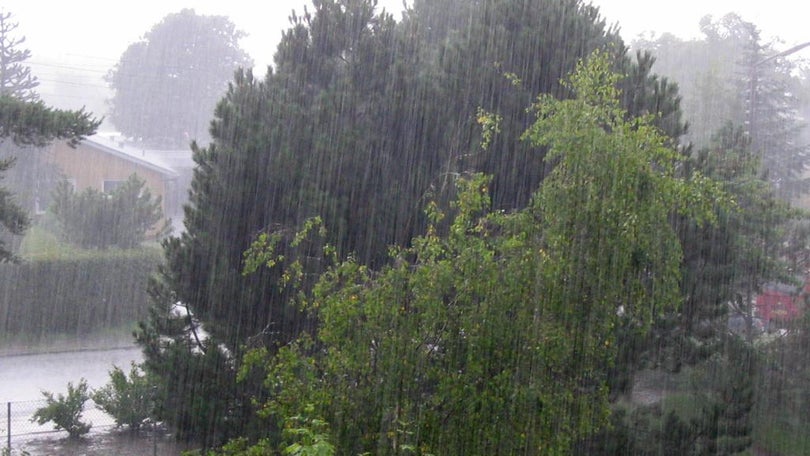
97, 220
66, 411
128, 400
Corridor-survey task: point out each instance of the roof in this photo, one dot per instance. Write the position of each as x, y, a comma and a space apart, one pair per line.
167, 162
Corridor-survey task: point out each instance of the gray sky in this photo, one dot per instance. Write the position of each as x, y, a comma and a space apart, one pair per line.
784, 18
79, 30
102, 29
82, 39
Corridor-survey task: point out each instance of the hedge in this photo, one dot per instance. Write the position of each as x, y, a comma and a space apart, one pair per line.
76, 295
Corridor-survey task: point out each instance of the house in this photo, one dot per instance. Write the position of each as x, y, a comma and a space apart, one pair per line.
104, 161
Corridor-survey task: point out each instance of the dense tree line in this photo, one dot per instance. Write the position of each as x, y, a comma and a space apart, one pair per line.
733, 75
513, 323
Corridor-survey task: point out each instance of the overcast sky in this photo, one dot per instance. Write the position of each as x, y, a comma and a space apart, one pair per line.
102, 29
89, 36
787, 19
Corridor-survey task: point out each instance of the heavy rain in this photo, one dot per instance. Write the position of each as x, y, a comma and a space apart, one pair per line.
432, 227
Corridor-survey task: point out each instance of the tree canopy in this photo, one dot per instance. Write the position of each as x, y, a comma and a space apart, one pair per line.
183, 64
493, 334
362, 121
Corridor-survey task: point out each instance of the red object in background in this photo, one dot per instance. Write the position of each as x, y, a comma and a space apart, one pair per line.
776, 303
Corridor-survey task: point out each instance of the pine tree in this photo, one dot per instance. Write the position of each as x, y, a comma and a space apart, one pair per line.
16, 79
731, 75
361, 122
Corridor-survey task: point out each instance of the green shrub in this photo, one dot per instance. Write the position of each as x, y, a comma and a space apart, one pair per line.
76, 294
65, 411
97, 220
127, 400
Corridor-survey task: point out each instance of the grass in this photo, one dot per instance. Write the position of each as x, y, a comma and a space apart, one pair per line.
41, 243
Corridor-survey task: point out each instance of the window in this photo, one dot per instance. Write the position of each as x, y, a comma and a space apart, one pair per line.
110, 185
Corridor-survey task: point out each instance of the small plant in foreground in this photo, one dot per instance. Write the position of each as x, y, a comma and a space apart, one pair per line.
65, 411
127, 399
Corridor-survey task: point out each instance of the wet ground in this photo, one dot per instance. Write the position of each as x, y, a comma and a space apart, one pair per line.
24, 376
117, 443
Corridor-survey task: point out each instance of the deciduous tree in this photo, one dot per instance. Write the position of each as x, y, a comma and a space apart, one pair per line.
168, 83
494, 334
361, 122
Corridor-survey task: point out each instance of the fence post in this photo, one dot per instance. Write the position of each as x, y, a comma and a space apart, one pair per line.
8, 425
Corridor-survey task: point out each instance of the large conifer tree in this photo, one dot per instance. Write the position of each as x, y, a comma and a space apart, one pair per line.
362, 121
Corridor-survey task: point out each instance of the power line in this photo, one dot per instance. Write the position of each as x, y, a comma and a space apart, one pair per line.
66, 67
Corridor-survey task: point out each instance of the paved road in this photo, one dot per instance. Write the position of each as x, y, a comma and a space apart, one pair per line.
22, 378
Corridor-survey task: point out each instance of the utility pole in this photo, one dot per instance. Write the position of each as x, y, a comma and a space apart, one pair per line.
755, 82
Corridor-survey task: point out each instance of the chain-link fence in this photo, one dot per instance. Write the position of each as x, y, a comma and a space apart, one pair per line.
17, 425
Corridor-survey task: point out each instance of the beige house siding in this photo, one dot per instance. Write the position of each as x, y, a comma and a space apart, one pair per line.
91, 163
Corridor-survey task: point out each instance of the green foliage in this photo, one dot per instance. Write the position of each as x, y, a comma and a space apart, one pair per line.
130, 401
490, 126
65, 411
726, 264
727, 406
185, 62
605, 207
195, 382
27, 121
34, 123
121, 218
307, 435
494, 332
13, 218
361, 121
77, 293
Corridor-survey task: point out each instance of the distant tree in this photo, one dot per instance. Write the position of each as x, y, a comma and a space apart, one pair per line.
168, 83
16, 79
94, 219
727, 76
